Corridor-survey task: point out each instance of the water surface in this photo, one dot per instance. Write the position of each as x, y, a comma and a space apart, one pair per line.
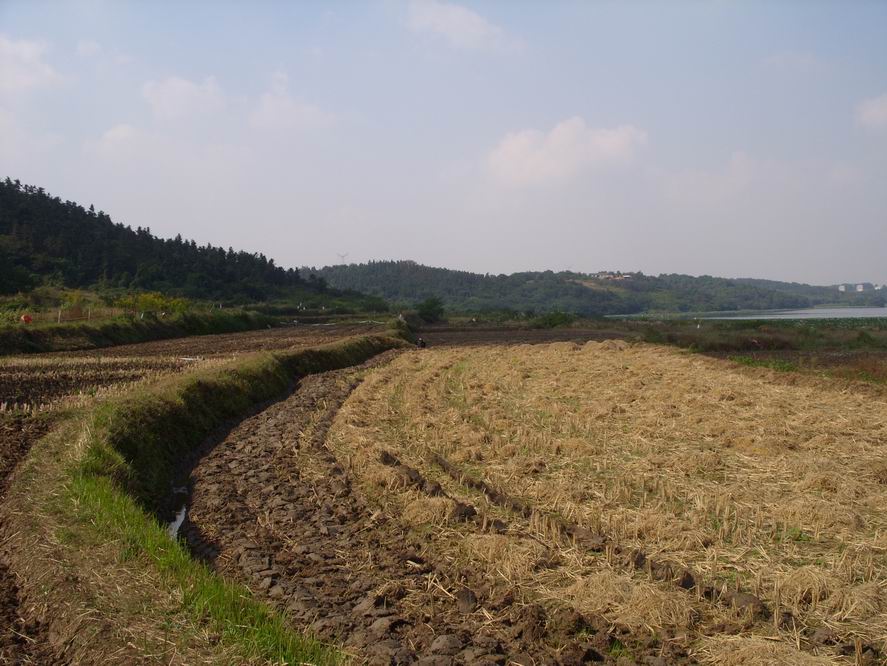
809, 313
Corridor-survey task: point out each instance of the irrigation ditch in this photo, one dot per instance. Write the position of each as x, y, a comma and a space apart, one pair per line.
93, 576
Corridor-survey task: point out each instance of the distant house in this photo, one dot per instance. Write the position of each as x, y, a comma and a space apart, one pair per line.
860, 287
842, 287
608, 275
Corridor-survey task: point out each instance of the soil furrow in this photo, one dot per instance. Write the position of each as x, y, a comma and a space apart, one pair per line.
273, 508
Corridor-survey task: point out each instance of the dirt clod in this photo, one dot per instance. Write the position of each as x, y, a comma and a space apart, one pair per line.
466, 600
448, 644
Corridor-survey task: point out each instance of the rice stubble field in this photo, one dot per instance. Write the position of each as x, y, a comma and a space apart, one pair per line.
699, 509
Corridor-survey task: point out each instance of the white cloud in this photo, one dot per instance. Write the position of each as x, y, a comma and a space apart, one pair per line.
22, 145
716, 186
22, 67
277, 110
872, 113
120, 142
175, 97
458, 25
88, 48
795, 61
532, 157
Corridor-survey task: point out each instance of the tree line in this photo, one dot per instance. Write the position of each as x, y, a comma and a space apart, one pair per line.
589, 295
44, 239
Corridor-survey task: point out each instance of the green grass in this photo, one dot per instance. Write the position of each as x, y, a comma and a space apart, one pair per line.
780, 365
618, 649
224, 608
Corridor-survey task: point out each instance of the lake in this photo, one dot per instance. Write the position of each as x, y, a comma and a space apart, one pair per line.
809, 313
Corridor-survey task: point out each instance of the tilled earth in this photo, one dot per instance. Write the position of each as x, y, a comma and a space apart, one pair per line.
272, 507
284, 337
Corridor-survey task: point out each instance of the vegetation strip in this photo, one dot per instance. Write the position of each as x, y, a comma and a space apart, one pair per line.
99, 482
68, 337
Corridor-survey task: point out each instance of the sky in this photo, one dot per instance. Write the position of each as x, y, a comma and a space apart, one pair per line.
729, 138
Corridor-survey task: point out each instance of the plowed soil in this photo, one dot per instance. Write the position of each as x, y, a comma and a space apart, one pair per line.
227, 344
273, 507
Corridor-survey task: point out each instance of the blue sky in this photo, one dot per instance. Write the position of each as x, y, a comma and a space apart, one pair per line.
728, 138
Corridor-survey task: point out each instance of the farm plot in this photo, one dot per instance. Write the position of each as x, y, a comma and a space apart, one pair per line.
700, 510
37, 390
245, 342
32, 391
37, 383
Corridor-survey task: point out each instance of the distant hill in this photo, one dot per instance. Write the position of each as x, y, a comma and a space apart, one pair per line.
46, 240
586, 294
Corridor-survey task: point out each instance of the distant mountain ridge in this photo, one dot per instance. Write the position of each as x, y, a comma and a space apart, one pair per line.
589, 294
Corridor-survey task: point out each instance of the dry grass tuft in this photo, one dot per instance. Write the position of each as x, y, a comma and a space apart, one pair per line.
640, 606
427, 511
755, 651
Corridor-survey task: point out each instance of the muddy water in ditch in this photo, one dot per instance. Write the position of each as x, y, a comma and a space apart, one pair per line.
273, 508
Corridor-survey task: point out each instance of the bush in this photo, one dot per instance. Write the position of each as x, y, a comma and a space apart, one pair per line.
553, 320
431, 310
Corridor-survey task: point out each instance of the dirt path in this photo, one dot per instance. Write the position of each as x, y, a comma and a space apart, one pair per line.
21, 642
273, 508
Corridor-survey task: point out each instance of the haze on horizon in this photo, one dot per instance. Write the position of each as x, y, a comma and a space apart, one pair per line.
737, 139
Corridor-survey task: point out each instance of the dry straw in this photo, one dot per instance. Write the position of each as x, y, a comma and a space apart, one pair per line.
756, 484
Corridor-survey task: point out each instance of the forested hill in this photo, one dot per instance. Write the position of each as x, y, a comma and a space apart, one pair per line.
43, 238
409, 282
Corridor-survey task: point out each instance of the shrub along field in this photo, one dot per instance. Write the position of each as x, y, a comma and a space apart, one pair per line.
703, 509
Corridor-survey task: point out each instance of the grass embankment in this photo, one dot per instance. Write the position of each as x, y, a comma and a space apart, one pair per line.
94, 561
21, 339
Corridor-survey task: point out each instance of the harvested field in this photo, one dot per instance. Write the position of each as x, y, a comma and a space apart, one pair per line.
36, 388
35, 384
296, 530
228, 344
697, 509
65, 379
560, 502
444, 336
